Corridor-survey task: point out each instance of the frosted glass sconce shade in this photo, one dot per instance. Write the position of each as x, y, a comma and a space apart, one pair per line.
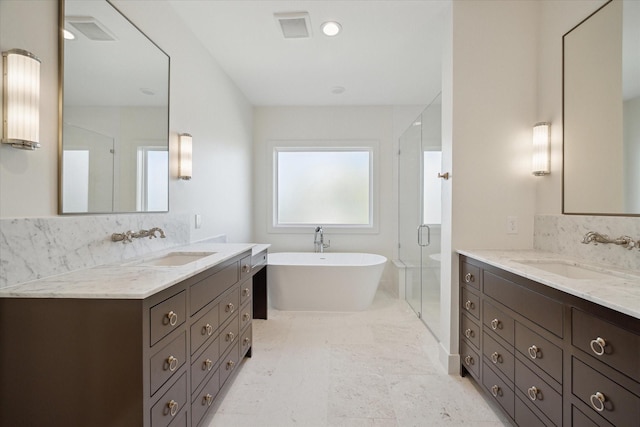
21, 99
541, 149
185, 164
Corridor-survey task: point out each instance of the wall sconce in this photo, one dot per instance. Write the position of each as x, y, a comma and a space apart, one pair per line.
185, 156
21, 99
541, 149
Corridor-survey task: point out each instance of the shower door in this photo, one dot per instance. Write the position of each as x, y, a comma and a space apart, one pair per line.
419, 213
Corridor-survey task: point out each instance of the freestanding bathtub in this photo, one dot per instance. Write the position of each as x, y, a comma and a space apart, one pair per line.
308, 281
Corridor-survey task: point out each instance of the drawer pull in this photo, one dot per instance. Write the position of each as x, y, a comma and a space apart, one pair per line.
173, 407
172, 318
495, 357
246, 268
495, 390
172, 363
207, 399
468, 278
207, 365
469, 360
597, 401
229, 308
597, 346
246, 292
533, 392
246, 342
231, 336
207, 329
230, 365
469, 305
495, 323
468, 333
533, 352
246, 317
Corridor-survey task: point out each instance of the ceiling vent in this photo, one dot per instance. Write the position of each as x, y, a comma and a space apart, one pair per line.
294, 25
91, 28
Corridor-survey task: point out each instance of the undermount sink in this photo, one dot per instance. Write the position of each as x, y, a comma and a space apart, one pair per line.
567, 269
173, 259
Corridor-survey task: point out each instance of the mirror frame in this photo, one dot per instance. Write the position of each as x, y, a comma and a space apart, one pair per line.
61, 25
564, 212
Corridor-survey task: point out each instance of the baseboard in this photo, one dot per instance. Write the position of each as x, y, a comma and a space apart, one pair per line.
450, 362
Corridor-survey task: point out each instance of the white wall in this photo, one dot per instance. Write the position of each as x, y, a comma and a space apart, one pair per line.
203, 102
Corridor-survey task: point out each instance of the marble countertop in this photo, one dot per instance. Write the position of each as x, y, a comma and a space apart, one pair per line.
128, 279
619, 291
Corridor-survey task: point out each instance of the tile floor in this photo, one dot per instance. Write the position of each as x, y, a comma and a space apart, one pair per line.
373, 368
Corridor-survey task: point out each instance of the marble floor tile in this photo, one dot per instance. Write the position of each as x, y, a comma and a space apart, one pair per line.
376, 368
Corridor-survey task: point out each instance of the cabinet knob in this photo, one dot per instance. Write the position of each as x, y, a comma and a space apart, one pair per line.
173, 407
229, 308
598, 345
246, 342
495, 357
495, 324
246, 292
495, 390
207, 329
468, 278
207, 365
532, 392
469, 360
231, 336
172, 318
533, 352
468, 333
597, 401
469, 305
230, 365
207, 399
172, 363
246, 317
246, 268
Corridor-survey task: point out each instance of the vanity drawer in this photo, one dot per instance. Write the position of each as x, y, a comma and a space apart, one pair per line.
610, 400
245, 291
470, 359
579, 419
525, 417
204, 328
470, 303
229, 304
210, 288
246, 315
536, 307
245, 341
202, 365
229, 334
167, 361
245, 267
620, 348
171, 404
539, 351
228, 363
539, 393
498, 355
469, 330
469, 275
500, 323
167, 316
259, 259
497, 388
204, 398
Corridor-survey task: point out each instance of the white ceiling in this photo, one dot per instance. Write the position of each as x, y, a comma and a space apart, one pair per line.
388, 53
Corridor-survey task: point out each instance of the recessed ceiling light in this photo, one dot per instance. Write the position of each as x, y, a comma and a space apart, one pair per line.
331, 28
337, 90
68, 35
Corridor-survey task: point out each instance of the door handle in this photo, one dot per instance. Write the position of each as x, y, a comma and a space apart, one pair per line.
420, 242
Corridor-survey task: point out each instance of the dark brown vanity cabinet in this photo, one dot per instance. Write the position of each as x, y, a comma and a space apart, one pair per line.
160, 361
546, 357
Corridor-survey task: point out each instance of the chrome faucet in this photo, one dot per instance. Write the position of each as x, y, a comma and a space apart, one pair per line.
128, 236
624, 241
318, 244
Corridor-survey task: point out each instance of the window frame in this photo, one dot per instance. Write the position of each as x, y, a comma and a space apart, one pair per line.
370, 146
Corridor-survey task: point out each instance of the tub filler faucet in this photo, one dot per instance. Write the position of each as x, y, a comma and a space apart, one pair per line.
318, 243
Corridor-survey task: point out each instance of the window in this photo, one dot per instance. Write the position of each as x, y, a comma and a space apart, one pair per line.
323, 186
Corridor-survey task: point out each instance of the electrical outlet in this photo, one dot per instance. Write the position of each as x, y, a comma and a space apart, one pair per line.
512, 225
198, 220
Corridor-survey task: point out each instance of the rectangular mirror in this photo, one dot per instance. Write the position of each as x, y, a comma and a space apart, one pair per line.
601, 112
114, 118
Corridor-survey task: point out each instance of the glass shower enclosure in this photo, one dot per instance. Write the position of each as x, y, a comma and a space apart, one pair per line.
419, 214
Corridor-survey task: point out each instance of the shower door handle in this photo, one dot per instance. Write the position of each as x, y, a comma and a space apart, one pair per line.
420, 239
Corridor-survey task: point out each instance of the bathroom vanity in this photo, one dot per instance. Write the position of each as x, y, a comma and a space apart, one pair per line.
554, 344
151, 342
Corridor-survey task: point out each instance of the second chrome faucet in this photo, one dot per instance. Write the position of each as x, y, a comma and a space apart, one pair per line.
318, 240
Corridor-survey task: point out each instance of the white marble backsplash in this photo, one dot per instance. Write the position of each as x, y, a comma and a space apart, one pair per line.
33, 248
563, 234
